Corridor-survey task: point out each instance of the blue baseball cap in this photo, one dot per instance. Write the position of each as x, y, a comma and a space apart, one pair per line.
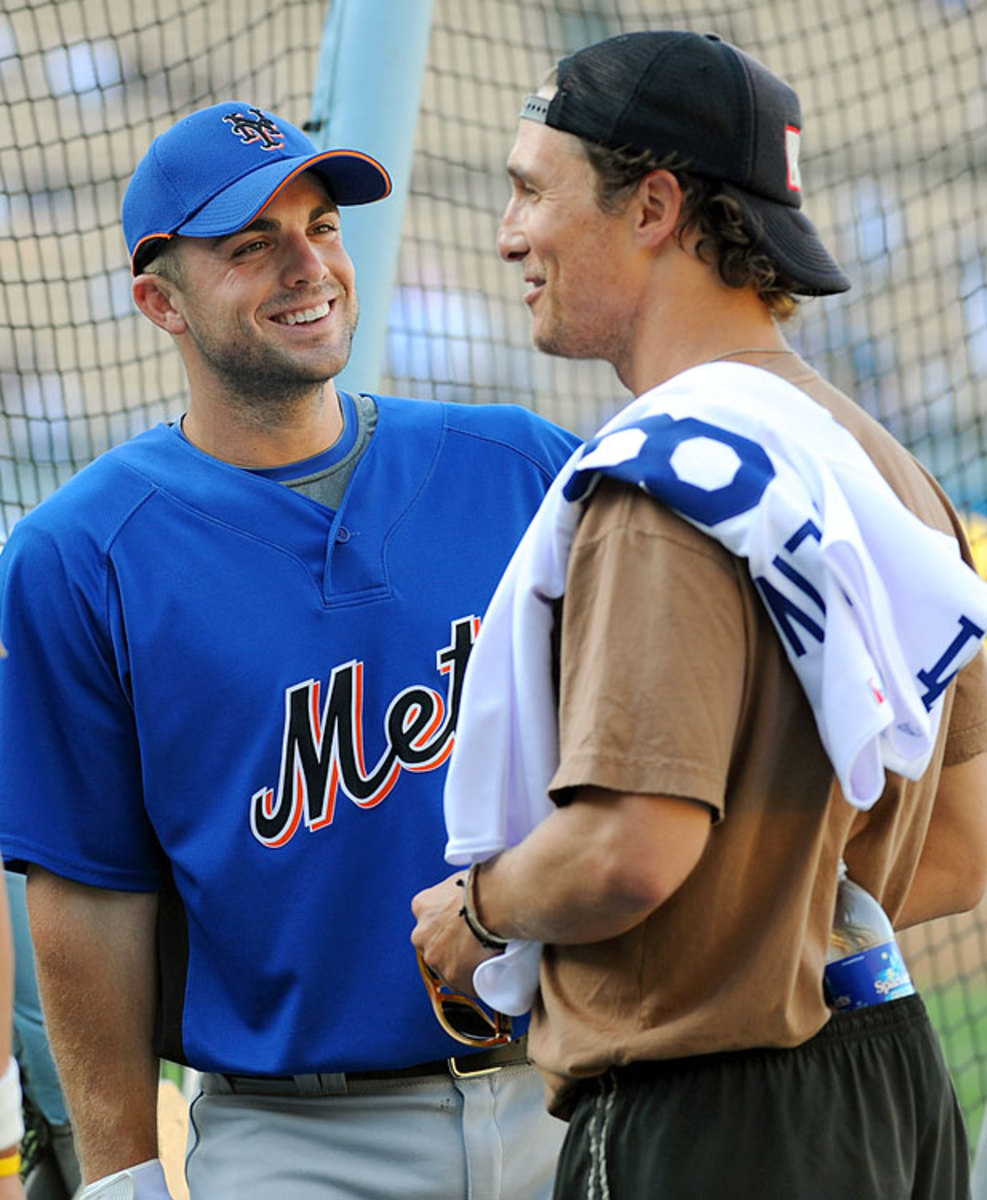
216, 170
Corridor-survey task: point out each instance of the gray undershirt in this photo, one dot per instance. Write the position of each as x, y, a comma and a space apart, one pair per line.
328, 486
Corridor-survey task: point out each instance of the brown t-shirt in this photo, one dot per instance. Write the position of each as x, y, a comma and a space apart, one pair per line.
673, 681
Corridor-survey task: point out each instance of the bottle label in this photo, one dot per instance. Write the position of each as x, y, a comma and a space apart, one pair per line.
871, 976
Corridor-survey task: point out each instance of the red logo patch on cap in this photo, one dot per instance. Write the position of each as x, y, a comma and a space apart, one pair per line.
256, 128
793, 142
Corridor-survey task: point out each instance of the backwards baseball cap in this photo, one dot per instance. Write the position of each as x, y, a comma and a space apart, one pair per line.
214, 171
729, 117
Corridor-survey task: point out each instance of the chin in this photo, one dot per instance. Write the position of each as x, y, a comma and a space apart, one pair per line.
559, 346
547, 340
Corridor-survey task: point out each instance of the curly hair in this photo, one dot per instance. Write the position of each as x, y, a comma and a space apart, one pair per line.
727, 239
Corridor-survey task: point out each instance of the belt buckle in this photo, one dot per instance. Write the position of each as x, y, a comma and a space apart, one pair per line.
463, 1072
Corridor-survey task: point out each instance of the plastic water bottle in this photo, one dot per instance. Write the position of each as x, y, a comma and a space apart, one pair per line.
864, 965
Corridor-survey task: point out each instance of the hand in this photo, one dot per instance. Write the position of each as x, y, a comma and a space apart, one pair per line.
444, 938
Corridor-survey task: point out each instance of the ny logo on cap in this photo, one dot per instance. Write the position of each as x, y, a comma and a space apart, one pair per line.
259, 127
793, 142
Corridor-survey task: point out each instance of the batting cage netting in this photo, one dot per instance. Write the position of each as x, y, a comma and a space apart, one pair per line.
893, 163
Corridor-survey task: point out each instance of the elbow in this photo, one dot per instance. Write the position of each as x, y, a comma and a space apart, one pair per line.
636, 892
963, 885
973, 889
636, 851
636, 884
968, 871
647, 863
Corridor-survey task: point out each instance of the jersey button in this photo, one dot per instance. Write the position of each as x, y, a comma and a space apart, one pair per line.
342, 534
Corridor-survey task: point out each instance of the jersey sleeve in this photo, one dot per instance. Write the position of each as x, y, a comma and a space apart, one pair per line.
554, 444
70, 773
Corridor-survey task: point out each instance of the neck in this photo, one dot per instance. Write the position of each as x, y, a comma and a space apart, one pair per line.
248, 435
759, 355
710, 343
691, 317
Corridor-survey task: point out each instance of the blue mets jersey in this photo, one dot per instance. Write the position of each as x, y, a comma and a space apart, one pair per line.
225, 692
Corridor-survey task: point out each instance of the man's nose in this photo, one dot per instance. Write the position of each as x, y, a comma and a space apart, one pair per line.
512, 245
303, 262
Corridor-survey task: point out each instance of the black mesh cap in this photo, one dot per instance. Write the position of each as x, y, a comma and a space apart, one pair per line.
727, 115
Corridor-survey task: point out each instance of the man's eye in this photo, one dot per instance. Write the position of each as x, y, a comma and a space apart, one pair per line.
247, 247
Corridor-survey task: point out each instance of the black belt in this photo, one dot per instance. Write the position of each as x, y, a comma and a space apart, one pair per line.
339, 1083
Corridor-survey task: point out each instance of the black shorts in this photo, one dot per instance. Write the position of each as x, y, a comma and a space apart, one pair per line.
865, 1110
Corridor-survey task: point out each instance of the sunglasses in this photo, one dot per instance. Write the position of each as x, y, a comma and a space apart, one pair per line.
461, 1016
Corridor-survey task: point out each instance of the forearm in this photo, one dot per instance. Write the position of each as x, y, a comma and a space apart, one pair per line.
97, 978
591, 871
567, 882
572, 905
6, 976
941, 887
11, 1132
928, 899
951, 875
10, 1183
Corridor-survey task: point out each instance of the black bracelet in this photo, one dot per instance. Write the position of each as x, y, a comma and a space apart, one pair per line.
469, 914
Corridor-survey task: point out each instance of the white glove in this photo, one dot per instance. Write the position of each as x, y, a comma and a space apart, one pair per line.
146, 1181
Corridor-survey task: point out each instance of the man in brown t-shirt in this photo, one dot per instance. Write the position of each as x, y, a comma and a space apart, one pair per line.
684, 885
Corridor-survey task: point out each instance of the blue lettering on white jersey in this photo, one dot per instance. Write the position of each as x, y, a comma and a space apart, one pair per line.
652, 468
936, 678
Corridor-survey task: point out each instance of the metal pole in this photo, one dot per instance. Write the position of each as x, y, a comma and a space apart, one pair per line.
366, 97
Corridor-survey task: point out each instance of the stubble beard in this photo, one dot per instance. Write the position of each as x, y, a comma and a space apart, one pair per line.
268, 387
561, 339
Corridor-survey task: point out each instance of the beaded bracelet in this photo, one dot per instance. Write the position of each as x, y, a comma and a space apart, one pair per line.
469, 914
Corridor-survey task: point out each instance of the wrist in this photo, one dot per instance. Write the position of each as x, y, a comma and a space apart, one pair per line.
10, 1162
470, 913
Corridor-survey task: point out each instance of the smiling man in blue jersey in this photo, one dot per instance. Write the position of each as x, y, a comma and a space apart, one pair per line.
236, 646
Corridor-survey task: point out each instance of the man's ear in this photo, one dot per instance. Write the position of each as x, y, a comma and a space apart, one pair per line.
659, 198
155, 297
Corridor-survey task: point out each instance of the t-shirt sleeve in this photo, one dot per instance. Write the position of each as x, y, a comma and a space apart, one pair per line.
652, 654
70, 775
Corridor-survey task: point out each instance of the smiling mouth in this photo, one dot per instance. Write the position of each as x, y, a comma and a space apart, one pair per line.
304, 316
